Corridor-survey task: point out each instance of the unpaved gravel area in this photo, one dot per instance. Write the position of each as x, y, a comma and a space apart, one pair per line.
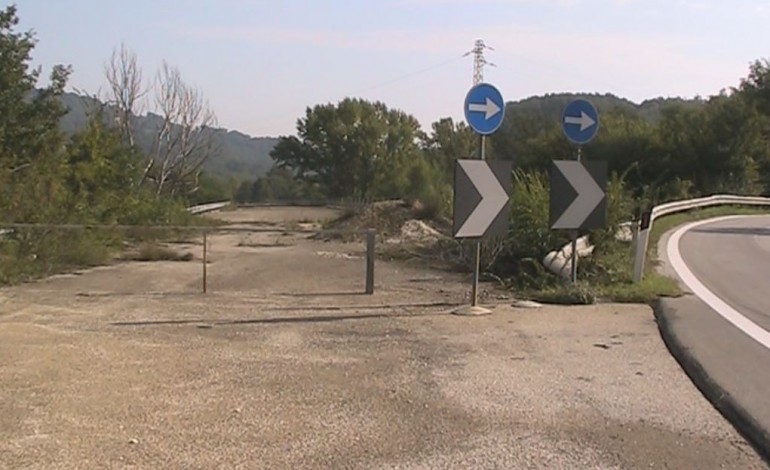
285, 364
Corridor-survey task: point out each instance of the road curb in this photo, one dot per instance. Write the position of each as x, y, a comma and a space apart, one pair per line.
734, 412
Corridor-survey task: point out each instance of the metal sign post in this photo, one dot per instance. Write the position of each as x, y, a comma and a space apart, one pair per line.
578, 190
575, 233
481, 187
477, 256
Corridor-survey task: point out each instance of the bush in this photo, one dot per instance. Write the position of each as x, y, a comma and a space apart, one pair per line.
150, 251
426, 192
518, 256
567, 294
30, 253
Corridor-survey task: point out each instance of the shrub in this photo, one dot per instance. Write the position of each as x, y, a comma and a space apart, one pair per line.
529, 236
149, 251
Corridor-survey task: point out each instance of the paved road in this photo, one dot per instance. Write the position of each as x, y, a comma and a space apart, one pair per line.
720, 334
283, 364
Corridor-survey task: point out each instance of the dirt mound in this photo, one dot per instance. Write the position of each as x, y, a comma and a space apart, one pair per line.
394, 221
386, 217
416, 231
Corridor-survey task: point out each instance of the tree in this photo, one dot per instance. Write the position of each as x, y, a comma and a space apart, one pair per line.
182, 143
30, 141
99, 173
124, 78
754, 90
718, 147
353, 149
182, 137
448, 142
756, 86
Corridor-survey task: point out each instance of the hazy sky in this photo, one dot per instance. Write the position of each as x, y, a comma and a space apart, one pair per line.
261, 63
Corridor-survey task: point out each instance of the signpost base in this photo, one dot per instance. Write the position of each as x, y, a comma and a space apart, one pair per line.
471, 311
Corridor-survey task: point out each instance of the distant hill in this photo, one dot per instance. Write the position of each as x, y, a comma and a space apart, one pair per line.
550, 107
246, 158
240, 156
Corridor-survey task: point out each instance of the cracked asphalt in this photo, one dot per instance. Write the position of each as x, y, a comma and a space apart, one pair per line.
284, 364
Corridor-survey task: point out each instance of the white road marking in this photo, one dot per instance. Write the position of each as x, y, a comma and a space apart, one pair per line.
727, 312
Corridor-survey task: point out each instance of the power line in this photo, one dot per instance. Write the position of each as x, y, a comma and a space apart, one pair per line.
408, 75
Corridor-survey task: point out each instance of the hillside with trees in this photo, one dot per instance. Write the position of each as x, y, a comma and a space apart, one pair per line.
239, 156
48, 178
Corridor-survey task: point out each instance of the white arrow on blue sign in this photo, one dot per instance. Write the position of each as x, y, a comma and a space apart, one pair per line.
580, 121
484, 108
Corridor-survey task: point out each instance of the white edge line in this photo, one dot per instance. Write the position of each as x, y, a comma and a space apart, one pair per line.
727, 312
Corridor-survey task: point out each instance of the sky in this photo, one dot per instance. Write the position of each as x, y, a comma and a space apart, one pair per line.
261, 64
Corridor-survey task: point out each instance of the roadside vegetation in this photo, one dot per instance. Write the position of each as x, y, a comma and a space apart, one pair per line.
367, 152
361, 153
96, 177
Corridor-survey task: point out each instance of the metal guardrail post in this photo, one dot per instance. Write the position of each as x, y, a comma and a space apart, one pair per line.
370, 240
639, 256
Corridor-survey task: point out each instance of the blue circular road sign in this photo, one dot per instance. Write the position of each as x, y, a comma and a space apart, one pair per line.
484, 108
580, 121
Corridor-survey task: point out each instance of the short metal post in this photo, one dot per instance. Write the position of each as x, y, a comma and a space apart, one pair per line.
205, 260
574, 256
370, 240
639, 256
476, 269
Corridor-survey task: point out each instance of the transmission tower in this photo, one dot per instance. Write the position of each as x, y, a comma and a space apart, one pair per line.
479, 61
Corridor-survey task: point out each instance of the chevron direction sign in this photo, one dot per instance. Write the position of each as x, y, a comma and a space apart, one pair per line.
481, 196
578, 199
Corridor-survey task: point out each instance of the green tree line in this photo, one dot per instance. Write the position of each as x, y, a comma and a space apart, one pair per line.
671, 149
362, 150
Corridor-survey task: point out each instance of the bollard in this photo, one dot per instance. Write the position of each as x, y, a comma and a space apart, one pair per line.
204, 262
370, 238
641, 252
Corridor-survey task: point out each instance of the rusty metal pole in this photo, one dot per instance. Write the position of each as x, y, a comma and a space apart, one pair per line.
205, 243
370, 239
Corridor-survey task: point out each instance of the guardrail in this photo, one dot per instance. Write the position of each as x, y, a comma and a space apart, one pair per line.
212, 206
645, 225
559, 261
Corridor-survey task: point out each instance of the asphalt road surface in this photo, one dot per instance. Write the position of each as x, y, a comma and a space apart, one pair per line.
284, 364
720, 334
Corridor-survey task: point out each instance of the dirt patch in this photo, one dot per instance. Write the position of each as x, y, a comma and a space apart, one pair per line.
277, 215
